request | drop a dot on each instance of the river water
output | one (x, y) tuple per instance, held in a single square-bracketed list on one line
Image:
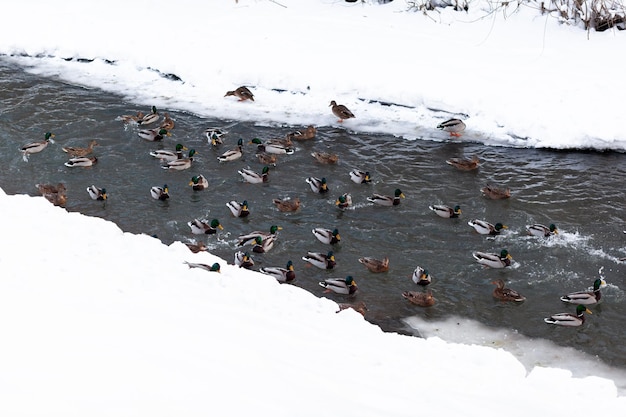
[(579, 191)]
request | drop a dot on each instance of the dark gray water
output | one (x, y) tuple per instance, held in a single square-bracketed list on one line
[(581, 192)]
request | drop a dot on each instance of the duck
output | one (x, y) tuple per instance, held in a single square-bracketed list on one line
[(282, 275), (485, 228), (464, 164), (327, 236), (36, 147), (209, 268), (359, 307), (253, 177), (81, 161), (167, 123), (204, 227), (149, 118), (321, 260), (506, 294), (197, 247), (495, 193), (345, 285), (56, 194), (344, 201), (454, 126), (181, 164), (131, 118), (446, 212), (153, 135), (198, 183), (285, 141), (493, 260), (96, 193), (272, 148), (585, 297), (263, 245), (232, 154), (266, 158), (568, 319), (386, 200), (214, 135), (540, 230), (375, 265), (167, 156), (251, 237), (243, 260), (318, 185), (304, 134), (76, 151), (360, 177), (238, 209), (160, 193), (242, 93), (286, 205), (341, 111), (421, 276), (422, 299), (325, 157)]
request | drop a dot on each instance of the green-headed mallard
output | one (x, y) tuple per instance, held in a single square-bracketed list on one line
[(56, 194), (540, 230), (341, 111), (495, 193), (272, 148), (327, 236), (181, 164), (568, 319), (232, 154), (166, 155), (318, 185), (160, 193), (325, 157), (262, 245), (243, 260), (253, 177), (97, 193), (454, 126), (81, 161), (36, 147), (585, 297), (282, 275), (167, 123), (506, 294), (344, 201), (360, 177), (153, 135), (321, 260), (149, 118), (198, 182), (303, 134), (251, 237), (386, 200), (422, 299), (485, 228), (444, 211), (204, 227), (214, 135), (242, 93), (76, 151), (238, 209), (493, 260), (209, 268), (345, 285), (375, 265), (287, 205), (464, 164), (421, 276)]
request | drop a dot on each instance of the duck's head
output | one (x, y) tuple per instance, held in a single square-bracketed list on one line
[(244, 205), (580, 309), (216, 224), (350, 281), (180, 147), (332, 103), (598, 283), (330, 256), (398, 193), (192, 153), (164, 132), (274, 229), (553, 229), (500, 226), (336, 234), (49, 135), (165, 189), (289, 265), (240, 142), (266, 170), (104, 193), (457, 209), (154, 109), (215, 267), (504, 254), (258, 240), (195, 179), (256, 141)]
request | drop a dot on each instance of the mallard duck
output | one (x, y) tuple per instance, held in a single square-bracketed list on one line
[(344, 201), (540, 230), (464, 164), (421, 276), (56, 194), (243, 260), (153, 135), (422, 299), (166, 155), (495, 193), (149, 118), (506, 294), (375, 265), (209, 268), (341, 111), (232, 154), (282, 275), (359, 307), (36, 147), (360, 177), (130, 118), (285, 142), (242, 93), (272, 148), (167, 123), (568, 319), (304, 134), (97, 193), (317, 185), (81, 161), (251, 237), (254, 178), (387, 200), (160, 193), (327, 236), (454, 126), (238, 209), (321, 260), (345, 286), (287, 205), (198, 183), (266, 158), (325, 157), (75, 151), (214, 135), (263, 245), (446, 212), (204, 227), (486, 228), (585, 297), (493, 260), (181, 164), (197, 247)]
